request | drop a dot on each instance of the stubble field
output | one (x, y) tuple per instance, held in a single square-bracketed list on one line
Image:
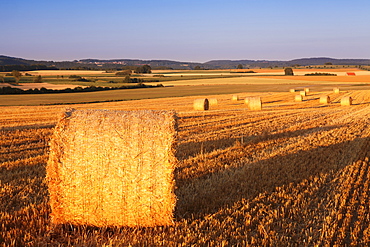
[(293, 174)]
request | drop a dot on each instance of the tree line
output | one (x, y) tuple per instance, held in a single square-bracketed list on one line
[(23, 67), (11, 90)]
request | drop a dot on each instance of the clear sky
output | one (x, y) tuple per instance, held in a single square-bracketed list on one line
[(184, 30)]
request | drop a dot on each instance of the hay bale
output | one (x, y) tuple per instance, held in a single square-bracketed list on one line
[(307, 90), (113, 168), (324, 99), (235, 98), (346, 101), (292, 90), (336, 90), (298, 98), (213, 101), (201, 104), (246, 100), (303, 93), (255, 103)]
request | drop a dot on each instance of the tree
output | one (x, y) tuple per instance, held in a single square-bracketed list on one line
[(17, 75), (37, 79), (124, 72), (127, 79), (145, 69), (197, 67), (240, 66), (288, 71)]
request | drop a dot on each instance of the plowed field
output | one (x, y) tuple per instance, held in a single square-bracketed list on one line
[(293, 174)]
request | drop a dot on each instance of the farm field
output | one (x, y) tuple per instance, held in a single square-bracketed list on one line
[(60, 79), (195, 83), (293, 174)]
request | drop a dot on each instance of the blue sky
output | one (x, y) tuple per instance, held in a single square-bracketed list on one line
[(184, 30)]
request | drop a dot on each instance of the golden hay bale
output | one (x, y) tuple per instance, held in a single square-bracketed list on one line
[(292, 90), (201, 104), (336, 90), (113, 168), (246, 100), (303, 93), (307, 90), (324, 99), (213, 101), (346, 101), (298, 98), (235, 97), (255, 103)]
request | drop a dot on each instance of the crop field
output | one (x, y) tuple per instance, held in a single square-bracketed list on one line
[(292, 174)]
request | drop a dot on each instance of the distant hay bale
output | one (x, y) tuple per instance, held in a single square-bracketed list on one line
[(201, 104), (213, 101), (113, 168), (298, 98), (246, 100), (235, 98), (307, 90), (303, 93), (324, 99), (255, 103), (292, 90), (346, 101), (336, 90)]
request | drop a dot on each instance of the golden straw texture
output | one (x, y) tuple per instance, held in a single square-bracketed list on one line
[(235, 97), (298, 98), (201, 104), (336, 90), (324, 99), (113, 168), (255, 103), (346, 101), (213, 101)]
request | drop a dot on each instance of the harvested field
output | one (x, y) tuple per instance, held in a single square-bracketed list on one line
[(26, 86), (337, 79), (292, 174), (66, 72)]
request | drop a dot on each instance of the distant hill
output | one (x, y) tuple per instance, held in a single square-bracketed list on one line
[(301, 62), (9, 63)]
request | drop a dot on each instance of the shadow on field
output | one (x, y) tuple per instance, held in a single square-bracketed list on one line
[(210, 192), (20, 191), (271, 102), (28, 127), (192, 149)]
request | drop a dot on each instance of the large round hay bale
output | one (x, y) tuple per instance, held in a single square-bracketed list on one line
[(303, 93), (292, 90), (324, 99), (113, 168), (346, 101), (235, 98), (336, 90), (213, 101), (201, 104), (255, 103), (307, 90), (298, 98)]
